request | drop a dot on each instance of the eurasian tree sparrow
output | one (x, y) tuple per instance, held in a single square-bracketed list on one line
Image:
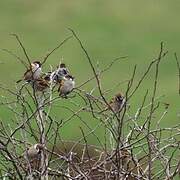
[(66, 85), (33, 156), (34, 72), (33, 152), (40, 84), (57, 75), (117, 102)]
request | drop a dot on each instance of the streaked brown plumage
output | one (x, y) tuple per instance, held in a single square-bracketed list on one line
[(34, 72), (33, 156), (40, 84), (117, 102), (34, 151)]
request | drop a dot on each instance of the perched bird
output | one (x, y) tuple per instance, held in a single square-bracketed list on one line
[(33, 155), (34, 151), (66, 85), (57, 75), (117, 102), (47, 76), (40, 84), (34, 72)]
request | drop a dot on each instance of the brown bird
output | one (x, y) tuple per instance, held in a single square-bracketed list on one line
[(40, 84), (117, 102), (34, 151), (66, 85), (33, 155), (34, 72)]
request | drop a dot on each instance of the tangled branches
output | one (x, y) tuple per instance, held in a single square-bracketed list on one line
[(134, 145)]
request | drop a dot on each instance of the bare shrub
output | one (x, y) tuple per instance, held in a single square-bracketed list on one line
[(134, 145)]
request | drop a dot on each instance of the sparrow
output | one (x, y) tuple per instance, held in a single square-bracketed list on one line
[(47, 76), (117, 102), (57, 75), (33, 154), (34, 151), (34, 72), (66, 85), (40, 84)]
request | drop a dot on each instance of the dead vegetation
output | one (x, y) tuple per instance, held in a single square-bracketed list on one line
[(31, 146)]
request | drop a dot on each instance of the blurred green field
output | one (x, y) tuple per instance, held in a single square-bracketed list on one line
[(109, 29)]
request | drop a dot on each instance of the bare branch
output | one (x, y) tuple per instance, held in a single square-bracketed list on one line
[(178, 66), (22, 46), (62, 43)]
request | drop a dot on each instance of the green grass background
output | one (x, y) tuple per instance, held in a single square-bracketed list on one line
[(109, 29)]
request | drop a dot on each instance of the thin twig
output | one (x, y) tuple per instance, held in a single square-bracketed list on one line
[(17, 57), (22, 46), (48, 54), (178, 66)]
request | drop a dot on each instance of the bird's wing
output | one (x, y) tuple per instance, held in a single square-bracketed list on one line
[(60, 85), (28, 74), (43, 83)]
